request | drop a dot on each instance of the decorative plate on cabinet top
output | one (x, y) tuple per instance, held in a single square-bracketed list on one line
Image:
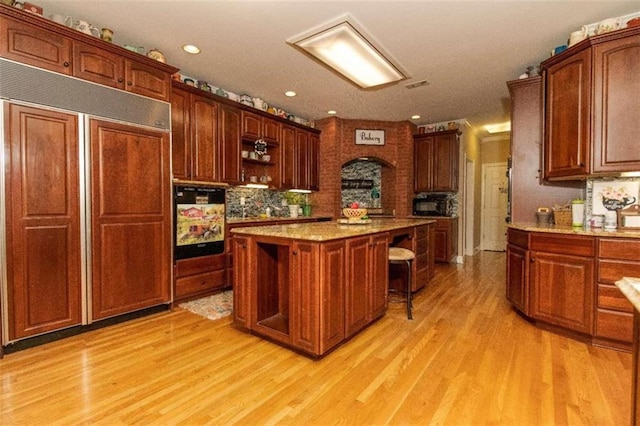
[(157, 55)]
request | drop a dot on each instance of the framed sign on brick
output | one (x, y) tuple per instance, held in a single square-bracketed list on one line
[(369, 137)]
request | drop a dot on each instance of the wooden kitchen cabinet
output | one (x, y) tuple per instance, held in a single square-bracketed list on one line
[(36, 41), (518, 269), (229, 143), (617, 258), (299, 159), (446, 239), (591, 113), (242, 272), (366, 281), (288, 157), (568, 282), (199, 276), (33, 45), (256, 127), (562, 277), (289, 284), (130, 218), (436, 161), (425, 255), (526, 185), (194, 131), (43, 221)]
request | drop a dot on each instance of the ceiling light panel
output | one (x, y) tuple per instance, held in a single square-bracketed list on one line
[(348, 51)]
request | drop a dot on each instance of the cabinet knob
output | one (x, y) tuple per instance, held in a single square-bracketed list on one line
[(66, 64), (244, 246), (533, 259), (120, 80), (295, 252), (129, 83)]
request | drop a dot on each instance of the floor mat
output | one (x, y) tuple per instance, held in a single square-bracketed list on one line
[(211, 307)]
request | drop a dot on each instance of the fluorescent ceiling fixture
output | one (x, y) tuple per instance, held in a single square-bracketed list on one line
[(290, 93), (415, 117), (190, 48), (349, 51), (498, 128), (332, 112)]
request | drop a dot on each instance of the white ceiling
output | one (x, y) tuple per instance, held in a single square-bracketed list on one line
[(467, 50)]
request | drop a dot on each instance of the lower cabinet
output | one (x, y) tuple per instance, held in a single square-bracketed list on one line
[(366, 282), (446, 240), (568, 282), (518, 272), (562, 290), (617, 257), (199, 276)]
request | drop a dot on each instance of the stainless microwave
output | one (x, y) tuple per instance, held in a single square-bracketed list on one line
[(432, 205)]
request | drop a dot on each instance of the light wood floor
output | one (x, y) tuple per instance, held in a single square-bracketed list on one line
[(466, 358)]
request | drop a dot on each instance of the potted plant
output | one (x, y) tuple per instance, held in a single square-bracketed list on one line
[(294, 200)]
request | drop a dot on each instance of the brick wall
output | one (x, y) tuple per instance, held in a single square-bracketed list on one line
[(337, 147)]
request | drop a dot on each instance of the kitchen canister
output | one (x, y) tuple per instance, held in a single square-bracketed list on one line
[(577, 213), (610, 220)]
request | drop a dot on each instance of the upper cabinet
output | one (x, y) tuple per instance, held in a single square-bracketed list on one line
[(214, 140), (592, 116), (436, 158), (194, 134), (33, 40)]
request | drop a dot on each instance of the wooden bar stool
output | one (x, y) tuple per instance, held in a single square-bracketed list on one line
[(399, 255)]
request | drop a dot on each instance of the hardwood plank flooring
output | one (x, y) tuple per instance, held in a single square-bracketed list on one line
[(467, 358)]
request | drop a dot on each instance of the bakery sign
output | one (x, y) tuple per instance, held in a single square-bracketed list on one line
[(369, 137)]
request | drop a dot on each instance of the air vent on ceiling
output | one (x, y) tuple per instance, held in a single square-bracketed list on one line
[(417, 84)]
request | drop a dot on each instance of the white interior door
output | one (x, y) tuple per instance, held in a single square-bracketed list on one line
[(494, 206)]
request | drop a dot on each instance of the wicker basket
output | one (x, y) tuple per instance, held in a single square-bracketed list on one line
[(563, 217), (354, 214)]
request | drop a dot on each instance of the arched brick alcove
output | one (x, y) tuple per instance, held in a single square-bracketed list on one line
[(338, 147)]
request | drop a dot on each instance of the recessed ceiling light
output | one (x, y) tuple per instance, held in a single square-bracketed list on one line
[(290, 93), (332, 112), (347, 49), (190, 48), (415, 117)]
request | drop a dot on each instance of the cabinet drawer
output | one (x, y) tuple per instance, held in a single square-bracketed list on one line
[(200, 265), (200, 283), (563, 244), (619, 249), (422, 232), (614, 325), (610, 297), (610, 271), (518, 238), (422, 246), (422, 261)]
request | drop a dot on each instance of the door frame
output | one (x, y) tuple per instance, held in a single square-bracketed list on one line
[(483, 216)]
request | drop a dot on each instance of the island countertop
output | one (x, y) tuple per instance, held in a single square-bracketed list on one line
[(594, 232), (630, 287), (326, 231)]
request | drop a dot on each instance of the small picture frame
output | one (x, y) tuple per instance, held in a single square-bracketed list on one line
[(629, 218)]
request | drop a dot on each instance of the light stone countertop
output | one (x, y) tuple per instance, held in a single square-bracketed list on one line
[(267, 220), (630, 287), (534, 227), (326, 231)]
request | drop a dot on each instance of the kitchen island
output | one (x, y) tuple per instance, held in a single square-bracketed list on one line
[(311, 286)]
